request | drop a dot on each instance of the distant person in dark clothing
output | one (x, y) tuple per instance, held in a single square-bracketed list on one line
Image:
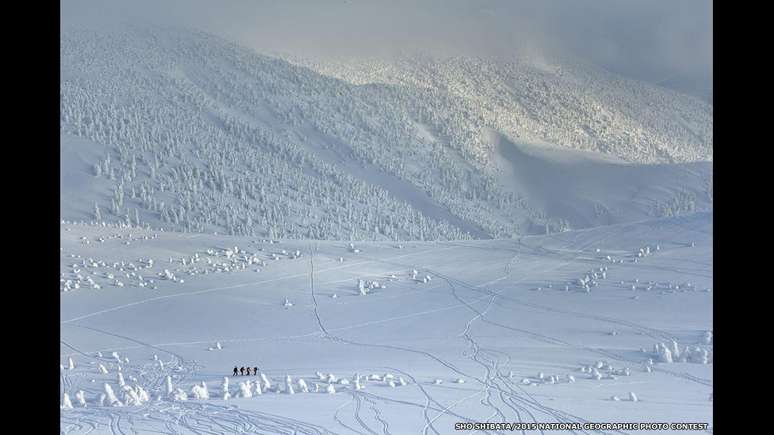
[(236, 370), (242, 370)]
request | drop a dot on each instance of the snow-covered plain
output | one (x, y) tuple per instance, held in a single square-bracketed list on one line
[(488, 330)]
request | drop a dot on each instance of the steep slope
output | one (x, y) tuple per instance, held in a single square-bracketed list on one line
[(192, 133), (565, 102), (585, 189)]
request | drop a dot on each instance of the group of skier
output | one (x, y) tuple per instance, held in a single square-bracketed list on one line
[(245, 371)]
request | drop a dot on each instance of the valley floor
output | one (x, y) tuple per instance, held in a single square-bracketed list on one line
[(484, 331)]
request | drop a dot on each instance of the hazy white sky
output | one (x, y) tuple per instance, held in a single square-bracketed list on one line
[(667, 41)]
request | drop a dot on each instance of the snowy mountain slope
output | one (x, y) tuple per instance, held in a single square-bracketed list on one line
[(193, 133), (494, 314), (566, 102), (586, 190)]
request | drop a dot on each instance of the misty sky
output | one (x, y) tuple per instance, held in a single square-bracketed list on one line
[(662, 41)]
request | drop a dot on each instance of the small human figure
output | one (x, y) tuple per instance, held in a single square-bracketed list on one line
[(242, 371), (255, 370), (235, 370)]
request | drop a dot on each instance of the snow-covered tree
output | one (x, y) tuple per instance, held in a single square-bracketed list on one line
[(356, 381), (663, 353), (289, 385), (66, 404), (131, 398), (245, 389), (265, 380), (200, 391), (676, 354), (112, 400), (224, 388), (142, 394), (80, 396), (179, 395)]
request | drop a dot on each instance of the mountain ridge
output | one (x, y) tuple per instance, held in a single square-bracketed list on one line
[(200, 134)]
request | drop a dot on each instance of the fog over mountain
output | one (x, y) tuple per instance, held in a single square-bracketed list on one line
[(664, 42)]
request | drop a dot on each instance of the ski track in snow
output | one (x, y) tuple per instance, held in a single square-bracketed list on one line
[(561, 417), (188, 417), (218, 289), (506, 399), (492, 366), (486, 385)]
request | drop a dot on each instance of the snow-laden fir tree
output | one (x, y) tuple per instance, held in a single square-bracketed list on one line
[(675, 350), (112, 400), (80, 396), (130, 396), (302, 387), (66, 404), (200, 391), (224, 388), (179, 395), (245, 389), (142, 394), (265, 380), (289, 385), (664, 354)]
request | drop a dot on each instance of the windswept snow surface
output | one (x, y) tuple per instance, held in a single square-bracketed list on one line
[(492, 313)]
